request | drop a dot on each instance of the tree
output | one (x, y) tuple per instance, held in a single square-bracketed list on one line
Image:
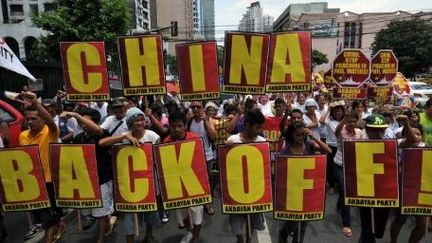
[(220, 55), (318, 58), (411, 41), (83, 20)]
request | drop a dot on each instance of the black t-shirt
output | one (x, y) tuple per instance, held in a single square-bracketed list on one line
[(103, 155)]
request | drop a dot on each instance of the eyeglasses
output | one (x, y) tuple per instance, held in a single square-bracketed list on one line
[(196, 107)]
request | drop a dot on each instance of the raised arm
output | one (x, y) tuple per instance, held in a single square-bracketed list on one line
[(43, 113)]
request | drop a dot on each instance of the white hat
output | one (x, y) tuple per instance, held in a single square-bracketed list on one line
[(311, 102)]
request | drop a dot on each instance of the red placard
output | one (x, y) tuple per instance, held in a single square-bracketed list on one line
[(417, 181), (75, 175), (289, 62), (245, 178), (351, 68), (182, 172), (22, 183), (198, 71), (85, 71), (349, 93), (245, 62), (272, 134), (221, 130), (134, 178), (141, 59), (384, 66), (380, 95), (371, 173), (300, 187)]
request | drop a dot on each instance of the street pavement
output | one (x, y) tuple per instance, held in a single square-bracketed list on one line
[(215, 229)]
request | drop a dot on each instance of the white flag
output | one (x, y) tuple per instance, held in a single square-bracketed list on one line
[(10, 61)]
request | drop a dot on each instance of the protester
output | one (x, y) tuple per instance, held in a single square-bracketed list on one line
[(253, 125), (101, 107), (265, 105), (311, 117), (92, 134), (426, 122), (43, 131), (412, 139), (345, 130), (178, 131), (116, 124), (300, 140), (136, 135)]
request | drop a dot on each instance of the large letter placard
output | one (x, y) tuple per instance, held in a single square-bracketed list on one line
[(75, 175), (134, 178), (198, 71), (371, 173), (289, 62), (245, 178), (141, 59), (22, 183), (417, 182), (182, 172), (300, 187), (245, 62), (85, 71)]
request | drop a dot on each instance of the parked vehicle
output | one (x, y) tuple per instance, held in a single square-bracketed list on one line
[(14, 119), (421, 92)]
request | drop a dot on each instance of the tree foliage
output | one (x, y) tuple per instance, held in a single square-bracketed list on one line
[(411, 41), (318, 58), (83, 20)]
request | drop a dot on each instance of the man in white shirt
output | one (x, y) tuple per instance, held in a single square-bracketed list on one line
[(101, 107), (116, 124)]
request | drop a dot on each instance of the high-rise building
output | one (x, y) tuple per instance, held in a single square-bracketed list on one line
[(140, 11), (254, 20), (207, 19)]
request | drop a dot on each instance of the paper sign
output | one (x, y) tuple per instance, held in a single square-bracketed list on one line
[(22, 183), (300, 187), (328, 79), (85, 71), (198, 71), (141, 59), (134, 178), (245, 178), (417, 182), (400, 86), (182, 172), (380, 95), (272, 134), (245, 62), (289, 62), (351, 68), (75, 175), (349, 93), (384, 66), (221, 131), (371, 173)]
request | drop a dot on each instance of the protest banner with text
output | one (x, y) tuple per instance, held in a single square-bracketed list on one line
[(384, 66), (289, 62), (198, 71), (417, 182), (141, 59), (371, 173), (134, 179), (245, 62), (272, 133), (85, 71), (380, 94), (300, 187), (22, 183), (245, 178), (182, 172), (75, 175)]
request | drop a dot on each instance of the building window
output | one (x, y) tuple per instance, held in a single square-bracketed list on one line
[(349, 35), (145, 15), (16, 10), (145, 26), (145, 4), (50, 7), (34, 9)]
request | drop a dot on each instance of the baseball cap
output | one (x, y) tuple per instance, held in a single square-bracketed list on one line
[(376, 121), (49, 102), (118, 102)]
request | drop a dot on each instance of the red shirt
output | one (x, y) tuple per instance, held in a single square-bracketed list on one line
[(189, 135)]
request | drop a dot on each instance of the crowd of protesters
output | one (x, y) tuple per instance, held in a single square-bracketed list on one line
[(309, 124)]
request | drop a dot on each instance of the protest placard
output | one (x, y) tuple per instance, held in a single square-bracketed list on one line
[(84, 70), (22, 183), (141, 59), (75, 175), (245, 62), (417, 182), (134, 180), (183, 174), (300, 187), (245, 178), (371, 173), (198, 71), (289, 62)]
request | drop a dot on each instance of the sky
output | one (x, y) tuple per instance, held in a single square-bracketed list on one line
[(229, 12)]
